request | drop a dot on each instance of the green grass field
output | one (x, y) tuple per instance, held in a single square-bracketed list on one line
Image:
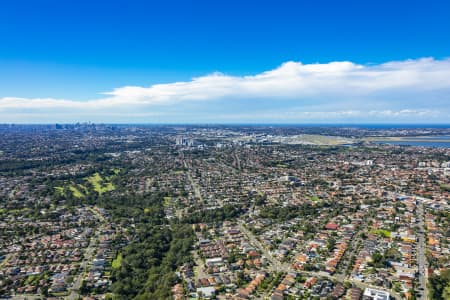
[(167, 201), (59, 189), (99, 184), (76, 192), (381, 232), (117, 262)]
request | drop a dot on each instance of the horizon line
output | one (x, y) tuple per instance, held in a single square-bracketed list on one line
[(224, 124)]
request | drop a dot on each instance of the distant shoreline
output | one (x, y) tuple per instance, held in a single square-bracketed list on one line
[(339, 125), (427, 138)]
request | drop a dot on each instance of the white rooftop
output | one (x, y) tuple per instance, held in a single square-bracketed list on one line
[(376, 294)]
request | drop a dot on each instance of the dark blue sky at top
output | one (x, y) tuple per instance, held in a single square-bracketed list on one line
[(145, 42)]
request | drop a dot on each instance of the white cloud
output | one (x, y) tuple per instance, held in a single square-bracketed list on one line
[(393, 89), (310, 116)]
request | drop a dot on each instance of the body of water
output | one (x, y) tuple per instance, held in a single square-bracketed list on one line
[(416, 143)]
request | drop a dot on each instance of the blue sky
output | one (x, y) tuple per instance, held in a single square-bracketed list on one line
[(225, 61)]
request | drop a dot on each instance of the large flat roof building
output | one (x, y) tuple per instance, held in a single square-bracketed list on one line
[(373, 294)]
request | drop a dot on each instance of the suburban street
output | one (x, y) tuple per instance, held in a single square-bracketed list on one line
[(278, 266), (83, 267), (88, 257), (421, 247)]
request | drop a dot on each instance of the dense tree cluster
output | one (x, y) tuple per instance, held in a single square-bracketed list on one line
[(227, 212), (284, 213), (439, 286), (148, 264), (147, 269)]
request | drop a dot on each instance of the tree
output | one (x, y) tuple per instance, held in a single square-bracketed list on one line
[(331, 243), (378, 260), (446, 292)]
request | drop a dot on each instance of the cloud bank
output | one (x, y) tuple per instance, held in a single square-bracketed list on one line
[(410, 90)]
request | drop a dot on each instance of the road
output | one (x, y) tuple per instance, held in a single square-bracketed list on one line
[(198, 271), (352, 250), (26, 297), (83, 268), (88, 257), (237, 160), (421, 247), (194, 185), (277, 266)]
